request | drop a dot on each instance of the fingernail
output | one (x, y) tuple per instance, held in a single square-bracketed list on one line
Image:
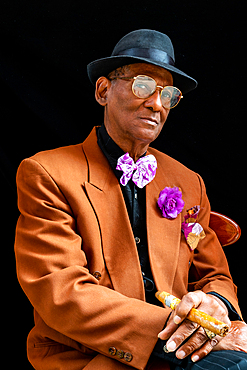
[(163, 335), (180, 354), (171, 346), (177, 319), (159, 335), (165, 349), (195, 358)]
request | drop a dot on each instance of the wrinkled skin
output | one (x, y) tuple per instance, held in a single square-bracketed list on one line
[(236, 339), (178, 328)]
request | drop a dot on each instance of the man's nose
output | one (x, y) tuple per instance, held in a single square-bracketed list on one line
[(154, 102)]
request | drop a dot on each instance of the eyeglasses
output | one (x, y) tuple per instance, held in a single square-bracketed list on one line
[(143, 87)]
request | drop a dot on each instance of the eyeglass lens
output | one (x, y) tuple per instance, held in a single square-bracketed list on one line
[(144, 86)]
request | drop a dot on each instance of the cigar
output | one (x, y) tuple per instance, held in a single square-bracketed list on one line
[(201, 318)]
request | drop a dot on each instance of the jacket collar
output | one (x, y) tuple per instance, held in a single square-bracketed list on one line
[(110, 149), (118, 243), (164, 235)]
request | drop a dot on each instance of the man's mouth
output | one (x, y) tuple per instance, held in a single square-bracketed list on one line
[(150, 121)]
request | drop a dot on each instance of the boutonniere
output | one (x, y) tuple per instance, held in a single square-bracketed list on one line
[(170, 202), (192, 230)]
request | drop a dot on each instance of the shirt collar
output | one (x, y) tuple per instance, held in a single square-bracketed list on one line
[(110, 149)]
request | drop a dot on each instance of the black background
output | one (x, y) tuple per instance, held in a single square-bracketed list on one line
[(47, 101)]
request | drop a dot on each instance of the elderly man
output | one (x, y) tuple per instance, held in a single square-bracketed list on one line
[(106, 223)]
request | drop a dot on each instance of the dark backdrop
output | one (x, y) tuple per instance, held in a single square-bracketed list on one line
[(47, 101)]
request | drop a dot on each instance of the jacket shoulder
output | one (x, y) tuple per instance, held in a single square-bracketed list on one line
[(67, 161), (59, 153), (170, 163)]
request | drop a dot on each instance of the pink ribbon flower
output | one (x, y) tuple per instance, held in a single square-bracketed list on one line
[(192, 230)]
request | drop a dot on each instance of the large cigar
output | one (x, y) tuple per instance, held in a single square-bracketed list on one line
[(201, 318)]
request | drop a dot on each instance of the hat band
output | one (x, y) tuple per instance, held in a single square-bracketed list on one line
[(150, 53)]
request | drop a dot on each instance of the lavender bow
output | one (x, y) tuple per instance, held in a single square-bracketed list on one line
[(145, 169)]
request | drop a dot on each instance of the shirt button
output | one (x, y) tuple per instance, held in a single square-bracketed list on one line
[(97, 275), (128, 356), (137, 240), (112, 351)]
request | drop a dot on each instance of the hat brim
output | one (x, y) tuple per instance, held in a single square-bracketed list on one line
[(102, 67)]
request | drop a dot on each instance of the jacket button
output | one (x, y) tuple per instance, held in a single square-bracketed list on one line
[(128, 356), (120, 353), (97, 275), (112, 351)]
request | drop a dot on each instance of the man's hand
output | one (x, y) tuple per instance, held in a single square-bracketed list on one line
[(236, 339), (179, 329)]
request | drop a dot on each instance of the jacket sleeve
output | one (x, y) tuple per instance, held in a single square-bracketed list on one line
[(209, 270), (52, 270)]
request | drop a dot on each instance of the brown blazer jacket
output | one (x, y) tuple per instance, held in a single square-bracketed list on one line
[(78, 264)]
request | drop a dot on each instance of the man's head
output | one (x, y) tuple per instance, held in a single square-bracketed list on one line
[(132, 121), (132, 118)]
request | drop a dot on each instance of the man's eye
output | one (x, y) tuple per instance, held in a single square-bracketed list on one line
[(166, 95), (142, 90)]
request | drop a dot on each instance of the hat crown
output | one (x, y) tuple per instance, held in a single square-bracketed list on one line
[(145, 39), (142, 46)]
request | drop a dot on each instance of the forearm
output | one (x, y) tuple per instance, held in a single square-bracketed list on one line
[(98, 317), (71, 302), (209, 270)]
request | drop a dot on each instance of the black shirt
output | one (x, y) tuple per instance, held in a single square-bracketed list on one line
[(135, 200)]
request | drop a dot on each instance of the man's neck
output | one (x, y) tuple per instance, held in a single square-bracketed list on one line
[(135, 150)]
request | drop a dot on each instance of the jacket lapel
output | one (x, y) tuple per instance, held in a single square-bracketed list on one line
[(118, 242), (163, 235)]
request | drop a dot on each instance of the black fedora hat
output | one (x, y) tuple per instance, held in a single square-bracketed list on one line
[(142, 46)]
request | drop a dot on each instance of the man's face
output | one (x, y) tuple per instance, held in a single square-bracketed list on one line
[(132, 119)]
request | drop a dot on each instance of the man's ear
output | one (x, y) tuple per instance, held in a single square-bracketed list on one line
[(101, 90)]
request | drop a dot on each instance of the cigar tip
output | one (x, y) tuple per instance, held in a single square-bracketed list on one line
[(224, 331)]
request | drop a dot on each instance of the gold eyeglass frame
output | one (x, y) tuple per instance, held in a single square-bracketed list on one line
[(157, 86)]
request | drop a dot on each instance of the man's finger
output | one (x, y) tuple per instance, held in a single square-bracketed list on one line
[(170, 328), (185, 330), (189, 301), (205, 349)]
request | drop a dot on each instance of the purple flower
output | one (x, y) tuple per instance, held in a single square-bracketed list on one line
[(170, 202)]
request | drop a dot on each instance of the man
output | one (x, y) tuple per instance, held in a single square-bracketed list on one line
[(93, 246)]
